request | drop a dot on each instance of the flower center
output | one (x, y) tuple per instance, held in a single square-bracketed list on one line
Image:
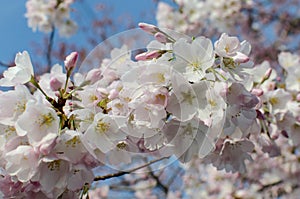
[(46, 119), (102, 127)]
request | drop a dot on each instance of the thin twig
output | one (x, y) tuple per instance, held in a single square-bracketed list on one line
[(159, 183), (270, 185), (50, 45), (121, 173), (5, 64)]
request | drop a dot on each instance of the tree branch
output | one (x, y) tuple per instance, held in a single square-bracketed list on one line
[(159, 183), (49, 49), (121, 173), (5, 64), (270, 185)]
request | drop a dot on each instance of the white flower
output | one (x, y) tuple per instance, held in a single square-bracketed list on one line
[(71, 145), (149, 107), (52, 176), (13, 104), (187, 139), (119, 154), (183, 102), (120, 60), (19, 74), (240, 113), (278, 100), (193, 59), (262, 73), (67, 28), (227, 46), (288, 60), (44, 15), (104, 132), (6, 134), (293, 79), (22, 162), (85, 117), (232, 155), (78, 177), (38, 122)]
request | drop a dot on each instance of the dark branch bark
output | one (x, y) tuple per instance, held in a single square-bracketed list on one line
[(121, 173), (49, 49), (270, 185), (159, 183), (5, 64)]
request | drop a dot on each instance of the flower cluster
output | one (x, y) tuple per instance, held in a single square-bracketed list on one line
[(173, 100), (45, 15), (194, 16), (275, 132)]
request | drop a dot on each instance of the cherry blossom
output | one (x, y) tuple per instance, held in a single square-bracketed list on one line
[(182, 98), (19, 74)]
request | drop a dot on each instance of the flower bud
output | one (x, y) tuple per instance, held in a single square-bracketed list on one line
[(113, 94), (298, 97), (70, 61), (267, 74), (94, 75), (258, 92), (149, 55), (240, 58), (151, 29), (55, 84), (161, 37)]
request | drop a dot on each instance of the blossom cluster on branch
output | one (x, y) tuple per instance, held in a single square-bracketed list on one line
[(195, 16), (183, 97), (46, 15), (202, 100)]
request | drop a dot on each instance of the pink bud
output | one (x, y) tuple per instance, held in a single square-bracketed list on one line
[(240, 58), (268, 73), (298, 97), (161, 37), (94, 75), (113, 94), (148, 28), (55, 84), (70, 61), (148, 55), (257, 91), (298, 118), (141, 57), (57, 94), (278, 79)]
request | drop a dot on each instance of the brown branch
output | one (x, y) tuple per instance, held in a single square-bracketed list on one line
[(159, 183), (5, 64), (270, 185), (121, 173), (49, 49)]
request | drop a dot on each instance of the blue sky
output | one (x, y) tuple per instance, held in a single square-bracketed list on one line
[(16, 36)]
